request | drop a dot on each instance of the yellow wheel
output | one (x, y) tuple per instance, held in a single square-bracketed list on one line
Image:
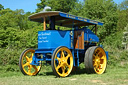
[(95, 60), (24, 63), (62, 62)]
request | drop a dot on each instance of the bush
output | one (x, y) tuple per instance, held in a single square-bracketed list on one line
[(113, 44)]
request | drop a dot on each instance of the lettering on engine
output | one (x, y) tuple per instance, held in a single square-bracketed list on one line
[(43, 37)]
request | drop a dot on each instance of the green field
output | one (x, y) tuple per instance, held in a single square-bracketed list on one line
[(112, 76)]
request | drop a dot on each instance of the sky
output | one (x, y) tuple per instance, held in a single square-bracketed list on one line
[(27, 5)]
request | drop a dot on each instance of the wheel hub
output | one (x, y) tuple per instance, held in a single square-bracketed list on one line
[(63, 62)]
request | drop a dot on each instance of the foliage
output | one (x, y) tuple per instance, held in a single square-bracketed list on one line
[(16, 34), (77, 9), (101, 10), (114, 40), (122, 15), (57, 5), (117, 53), (104, 11), (1, 7), (124, 5), (41, 5)]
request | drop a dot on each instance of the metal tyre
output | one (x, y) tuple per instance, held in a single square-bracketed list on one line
[(86, 60), (24, 63), (95, 60), (62, 62)]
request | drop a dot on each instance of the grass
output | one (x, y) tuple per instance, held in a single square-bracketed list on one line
[(112, 76)]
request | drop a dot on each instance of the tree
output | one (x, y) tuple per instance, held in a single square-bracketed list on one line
[(7, 19), (41, 5), (77, 9), (104, 11), (1, 7), (57, 5), (16, 19), (124, 5), (122, 15)]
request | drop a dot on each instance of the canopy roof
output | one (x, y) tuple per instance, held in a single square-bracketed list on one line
[(63, 19)]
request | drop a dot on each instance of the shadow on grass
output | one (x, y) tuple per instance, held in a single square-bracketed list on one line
[(75, 71), (78, 71), (46, 74)]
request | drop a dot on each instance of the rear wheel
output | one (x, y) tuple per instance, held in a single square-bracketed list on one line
[(62, 62), (24, 63), (86, 60), (95, 60)]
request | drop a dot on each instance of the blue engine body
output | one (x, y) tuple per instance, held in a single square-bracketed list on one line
[(51, 39)]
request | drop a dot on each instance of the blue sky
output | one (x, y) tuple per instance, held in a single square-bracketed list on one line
[(27, 5)]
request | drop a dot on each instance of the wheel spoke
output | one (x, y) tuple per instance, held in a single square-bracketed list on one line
[(95, 64), (102, 57), (67, 56), (62, 54), (63, 69), (29, 69), (26, 64), (58, 58), (35, 67), (100, 66), (58, 67), (99, 53), (68, 65), (101, 61), (94, 59), (27, 58), (31, 55), (97, 69)]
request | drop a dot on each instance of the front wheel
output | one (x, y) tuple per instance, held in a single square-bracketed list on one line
[(62, 62), (24, 63)]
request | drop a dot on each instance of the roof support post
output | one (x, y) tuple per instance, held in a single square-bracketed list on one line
[(52, 22), (44, 23)]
